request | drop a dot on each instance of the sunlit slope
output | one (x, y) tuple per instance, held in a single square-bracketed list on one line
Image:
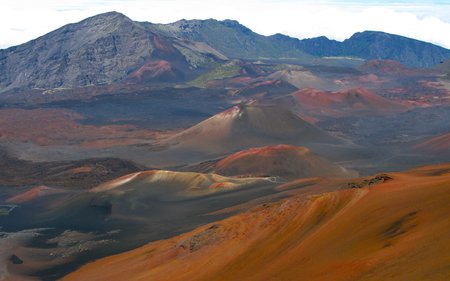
[(286, 161), (167, 182), (396, 230), (439, 145), (243, 127)]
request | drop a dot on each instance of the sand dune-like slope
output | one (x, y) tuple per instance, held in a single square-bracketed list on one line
[(248, 126), (32, 194), (166, 182), (395, 230), (437, 145), (299, 78), (286, 161), (359, 101)]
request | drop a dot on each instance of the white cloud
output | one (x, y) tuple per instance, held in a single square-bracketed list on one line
[(22, 21)]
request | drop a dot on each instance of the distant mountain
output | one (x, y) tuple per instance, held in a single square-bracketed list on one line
[(230, 37), (110, 48), (373, 45), (100, 50), (237, 41)]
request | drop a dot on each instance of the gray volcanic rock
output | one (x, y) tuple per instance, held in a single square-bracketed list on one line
[(378, 45), (110, 48), (237, 41), (230, 37), (99, 50)]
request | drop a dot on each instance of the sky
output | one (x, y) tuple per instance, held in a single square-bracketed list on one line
[(23, 20)]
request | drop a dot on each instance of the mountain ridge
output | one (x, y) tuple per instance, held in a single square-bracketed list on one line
[(366, 44), (372, 45), (99, 50), (110, 48)]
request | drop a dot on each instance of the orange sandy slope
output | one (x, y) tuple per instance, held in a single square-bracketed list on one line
[(345, 103), (439, 144), (282, 160), (396, 230)]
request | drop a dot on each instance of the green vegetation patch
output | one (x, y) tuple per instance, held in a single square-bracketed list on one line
[(218, 73)]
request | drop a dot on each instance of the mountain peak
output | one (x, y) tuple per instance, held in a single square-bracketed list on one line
[(106, 19), (373, 33), (112, 15), (236, 25), (280, 36), (98, 50)]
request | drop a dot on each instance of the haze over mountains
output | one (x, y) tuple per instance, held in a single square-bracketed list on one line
[(110, 48)]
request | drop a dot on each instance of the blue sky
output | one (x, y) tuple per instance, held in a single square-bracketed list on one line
[(23, 20)]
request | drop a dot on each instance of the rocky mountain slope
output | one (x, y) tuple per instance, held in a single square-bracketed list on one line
[(110, 48), (100, 50), (372, 45), (230, 37), (236, 40)]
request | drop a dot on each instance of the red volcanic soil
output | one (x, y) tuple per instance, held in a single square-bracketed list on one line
[(157, 71), (163, 45), (395, 230), (152, 69), (32, 194), (387, 67), (437, 145), (358, 101), (285, 161), (59, 127)]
